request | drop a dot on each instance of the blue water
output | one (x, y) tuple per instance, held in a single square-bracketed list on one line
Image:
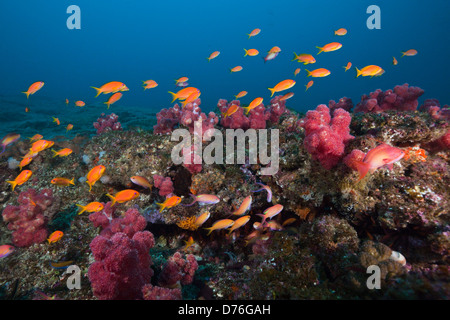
[(131, 41)]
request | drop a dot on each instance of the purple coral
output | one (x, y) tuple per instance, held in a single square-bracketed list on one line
[(107, 123), (165, 185), (178, 271)]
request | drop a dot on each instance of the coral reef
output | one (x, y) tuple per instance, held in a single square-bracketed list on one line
[(107, 123)]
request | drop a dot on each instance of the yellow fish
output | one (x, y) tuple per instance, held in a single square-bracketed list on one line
[(220, 224)]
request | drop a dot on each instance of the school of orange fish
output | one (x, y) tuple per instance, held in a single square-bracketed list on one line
[(186, 95)]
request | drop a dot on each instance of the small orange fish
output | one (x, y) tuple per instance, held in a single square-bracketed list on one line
[(241, 94), (183, 94), (201, 219), (348, 66), (288, 222), (9, 139), (255, 102), (213, 55), (80, 103), (281, 86), (34, 88), (141, 181), (275, 50), (123, 196), (318, 73), (219, 225), (287, 96), (333, 46), (192, 97), (244, 207), (67, 101), (62, 153), (409, 53), (169, 203), (251, 52), (27, 109), (180, 80), (21, 178), (232, 109), (6, 250), (114, 98), (239, 223), (371, 70), (236, 69), (309, 85), (296, 72), (91, 207), (304, 58), (394, 61), (94, 175), (340, 32), (69, 127), (189, 243), (55, 237), (270, 56), (40, 145), (25, 161), (36, 137), (149, 84), (254, 33), (270, 212), (62, 182), (56, 120), (111, 87)]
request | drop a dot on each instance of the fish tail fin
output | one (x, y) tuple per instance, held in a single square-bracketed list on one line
[(246, 52), (113, 199), (98, 91), (295, 57), (403, 54), (309, 72), (83, 208), (320, 50), (263, 218), (358, 72), (210, 230), (192, 203), (27, 93), (246, 110), (161, 205), (90, 185), (209, 59), (272, 90), (55, 153), (106, 103), (13, 184), (362, 168), (72, 181), (174, 96)]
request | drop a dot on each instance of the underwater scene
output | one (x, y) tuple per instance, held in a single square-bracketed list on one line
[(224, 150)]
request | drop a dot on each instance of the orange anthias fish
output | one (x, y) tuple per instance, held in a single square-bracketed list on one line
[(340, 32), (111, 87), (21, 178), (409, 53), (213, 55), (25, 161), (309, 85), (40, 145), (304, 58), (182, 79), (64, 182), (56, 120), (318, 73), (69, 127), (255, 102), (80, 103), (232, 109), (9, 139), (270, 56), (34, 88), (241, 94), (55, 237), (244, 207), (268, 189), (123, 196), (91, 207), (36, 137), (183, 94), (333, 46), (188, 243), (297, 71), (371, 70), (348, 66), (236, 69), (149, 84), (382, 155), (239, 223), (220, 224), (191, 98), (204, 199), (169, 203), (6, 250), (62, 153), (141, 181), (394, 61), (271, 212), (287, 96), (94, 175), (254, 33), (281, 86), (274, 50), (251, 52), (67, 101), (114, 98), (201, 219)]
